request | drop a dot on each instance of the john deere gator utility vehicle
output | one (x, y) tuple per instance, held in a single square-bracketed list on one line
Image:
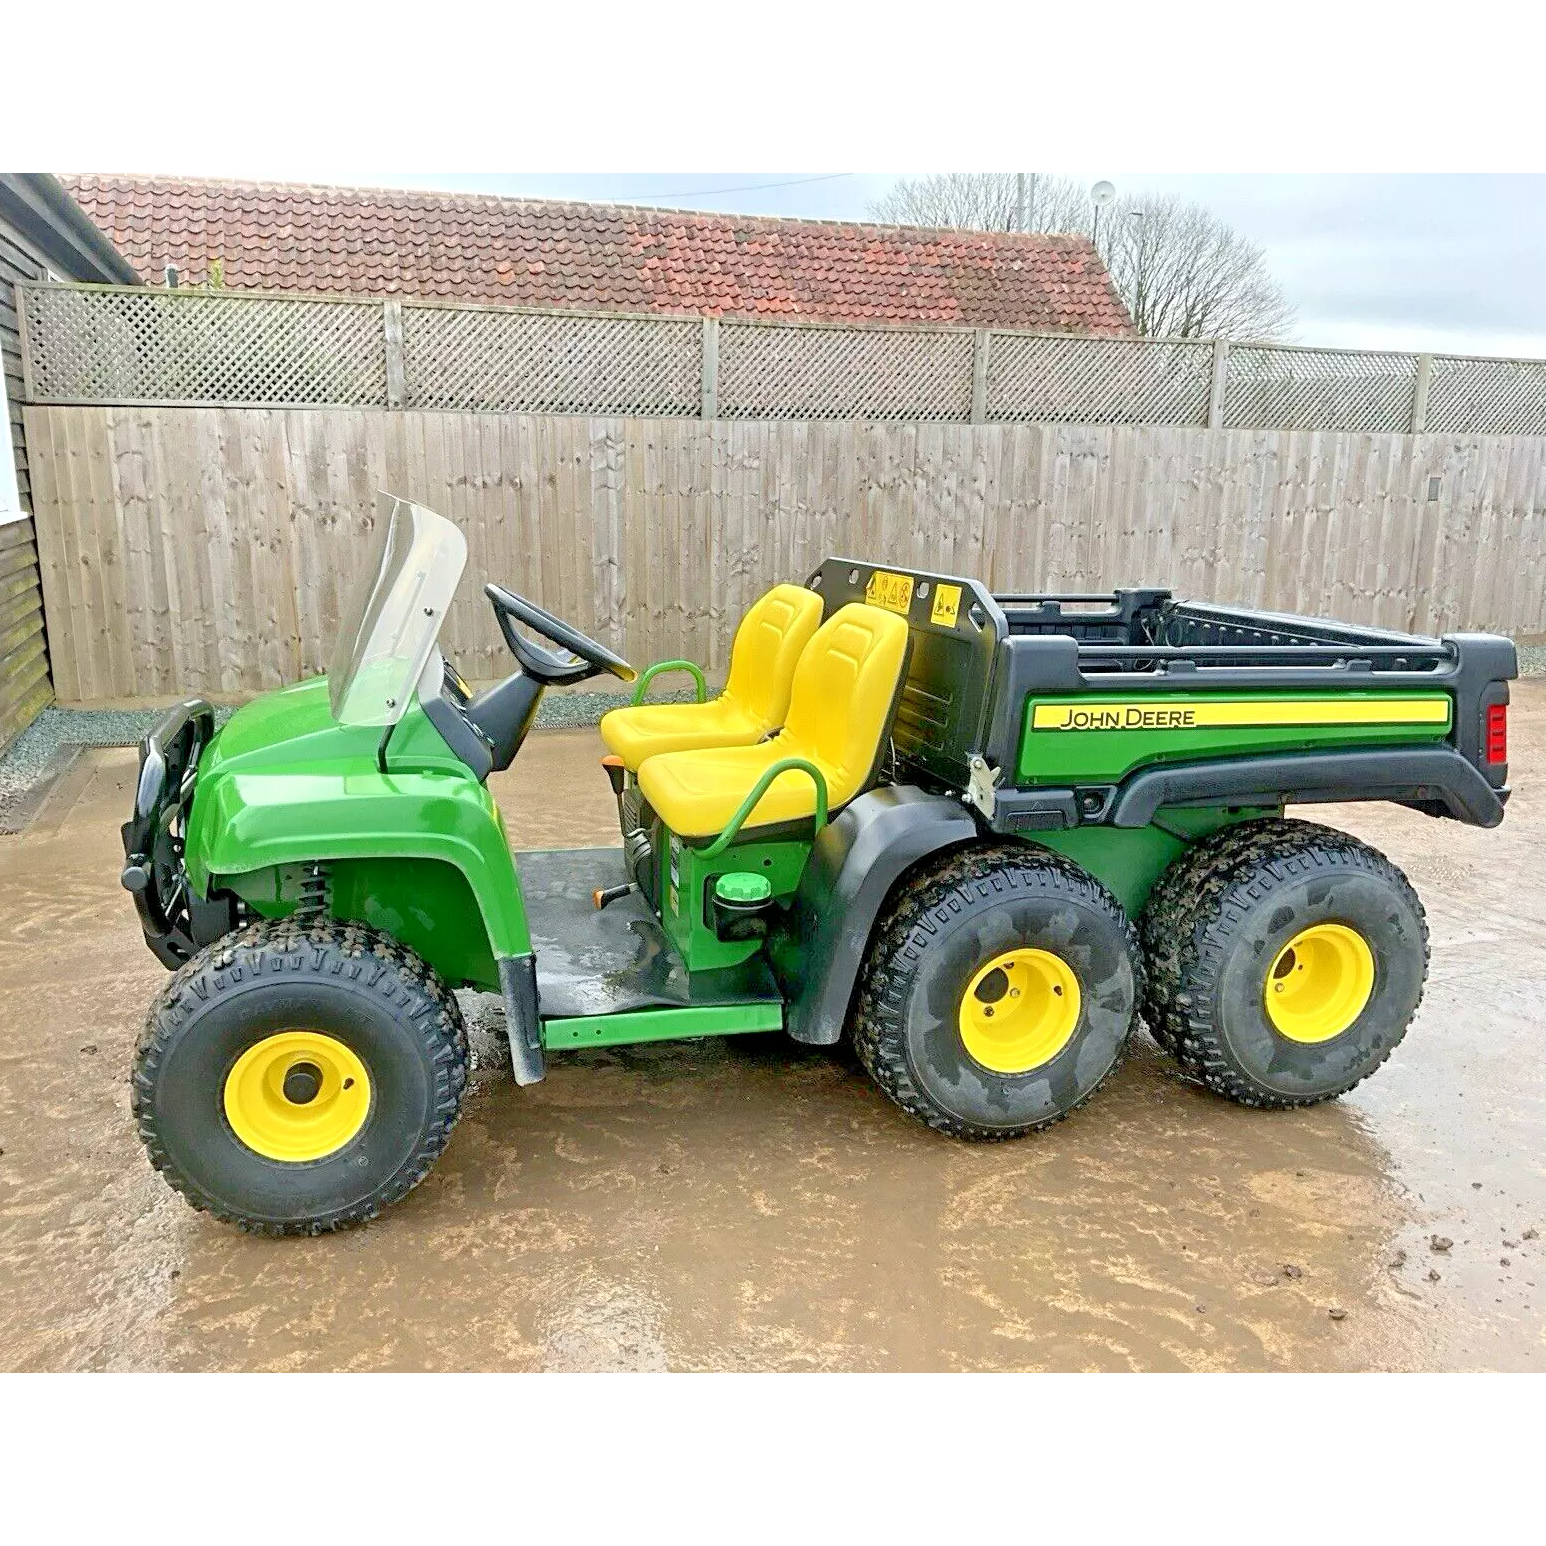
[(981, 834)]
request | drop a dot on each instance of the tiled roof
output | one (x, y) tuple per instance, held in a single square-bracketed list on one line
[(537, 252)]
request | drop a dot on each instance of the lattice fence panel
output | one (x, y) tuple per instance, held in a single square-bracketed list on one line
[(552, 362), (781, 372), (1098, 380), (124, 346), (1487, 397), (1272, 388), (90, 344)]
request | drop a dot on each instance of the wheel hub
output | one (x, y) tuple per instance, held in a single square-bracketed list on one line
[(297, 1096), (1319, 983), (302, 1084), (1020, 1010)]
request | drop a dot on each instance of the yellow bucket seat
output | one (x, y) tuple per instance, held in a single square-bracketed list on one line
[(756, 696), (840, 701)]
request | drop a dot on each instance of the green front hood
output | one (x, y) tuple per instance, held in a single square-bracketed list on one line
[(294, 728), (293, 724), (282, 784)]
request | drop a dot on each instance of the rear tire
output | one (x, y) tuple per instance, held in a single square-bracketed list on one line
[(998, 992), (1285, 961), (299, 1076)]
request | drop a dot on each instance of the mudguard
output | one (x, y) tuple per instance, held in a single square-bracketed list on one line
[(1436, 779), (854, 863), (242, 822)]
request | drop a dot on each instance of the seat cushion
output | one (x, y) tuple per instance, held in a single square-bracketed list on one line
[(697, 792), (767, 648), (841, 701), (843, 692), (638, 733), (763, 658)]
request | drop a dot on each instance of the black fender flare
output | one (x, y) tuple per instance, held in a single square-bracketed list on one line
[(855, 861), (1433, 778)]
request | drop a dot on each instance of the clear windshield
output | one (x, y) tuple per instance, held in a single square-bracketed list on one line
[(394, 616)]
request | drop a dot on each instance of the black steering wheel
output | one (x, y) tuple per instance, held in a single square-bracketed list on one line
[(585, 658)]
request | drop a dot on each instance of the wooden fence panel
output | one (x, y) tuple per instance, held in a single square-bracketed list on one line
[(209, 550)]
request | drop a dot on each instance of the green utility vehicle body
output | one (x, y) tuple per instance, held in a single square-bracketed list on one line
[(1071, 815), (1116, 730)]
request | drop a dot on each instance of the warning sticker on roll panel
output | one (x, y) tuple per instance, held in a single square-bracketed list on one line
[(894, 592), (947, 605)]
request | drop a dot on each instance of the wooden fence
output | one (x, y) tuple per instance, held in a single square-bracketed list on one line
[(205, 550)]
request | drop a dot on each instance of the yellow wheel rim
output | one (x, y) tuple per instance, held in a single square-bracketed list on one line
[(1319, 983), (297, 1096), (1020, 1010)]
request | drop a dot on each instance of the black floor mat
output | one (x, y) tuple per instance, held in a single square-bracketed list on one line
[(599, 963)]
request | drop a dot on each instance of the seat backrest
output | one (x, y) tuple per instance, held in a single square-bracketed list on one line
[(767, 648), (844, 689)]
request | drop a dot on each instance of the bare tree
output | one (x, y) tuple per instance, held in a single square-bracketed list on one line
[(1180, 270), (987, 201)]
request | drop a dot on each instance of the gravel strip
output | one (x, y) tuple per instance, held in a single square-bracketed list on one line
[(33, 754), (566, 710)]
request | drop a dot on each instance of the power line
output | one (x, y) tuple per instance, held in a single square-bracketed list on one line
[(796, 182)]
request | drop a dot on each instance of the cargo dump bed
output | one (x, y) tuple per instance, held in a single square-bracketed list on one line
[(1139, 629), (1052, 711)]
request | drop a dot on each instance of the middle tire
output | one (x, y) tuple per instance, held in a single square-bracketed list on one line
[(998, 992)]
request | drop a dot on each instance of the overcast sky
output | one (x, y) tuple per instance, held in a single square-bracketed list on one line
[(1399, 262)]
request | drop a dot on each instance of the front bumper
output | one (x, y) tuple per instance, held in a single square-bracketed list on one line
[(176, 922)]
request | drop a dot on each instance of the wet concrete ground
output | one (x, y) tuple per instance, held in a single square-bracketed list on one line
[(749, 1204)]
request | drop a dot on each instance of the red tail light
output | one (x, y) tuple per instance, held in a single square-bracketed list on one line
[(1497, 732)]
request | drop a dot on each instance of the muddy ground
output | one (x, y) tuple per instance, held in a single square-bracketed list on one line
[(750, 1204)]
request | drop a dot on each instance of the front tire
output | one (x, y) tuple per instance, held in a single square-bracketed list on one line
[(998, 992), (1285, 961), (299, 1076)]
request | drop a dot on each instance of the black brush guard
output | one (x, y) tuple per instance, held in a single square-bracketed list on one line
[(176, 922)]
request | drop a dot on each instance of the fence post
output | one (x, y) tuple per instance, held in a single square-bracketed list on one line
[(1219, 383), (1420, 393), (24, 338), (710, 405), (396, 378), (980, 376)]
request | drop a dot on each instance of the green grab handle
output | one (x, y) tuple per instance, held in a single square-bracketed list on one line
[(760, 788), (651, 672)]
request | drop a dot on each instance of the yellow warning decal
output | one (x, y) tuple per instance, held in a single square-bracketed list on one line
[(1197, 713), (947, 605), (894, 592)]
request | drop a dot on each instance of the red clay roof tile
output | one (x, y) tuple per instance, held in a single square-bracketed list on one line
[(476, 247)]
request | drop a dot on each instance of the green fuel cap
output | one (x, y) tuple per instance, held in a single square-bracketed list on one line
[(743, 888)]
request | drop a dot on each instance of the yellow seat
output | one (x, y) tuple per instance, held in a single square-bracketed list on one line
[(840, 702), (756, 696)]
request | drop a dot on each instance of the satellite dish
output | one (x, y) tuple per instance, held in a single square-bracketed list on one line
[(1102, 194)]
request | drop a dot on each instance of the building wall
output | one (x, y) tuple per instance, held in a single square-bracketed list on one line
[(17, 262), (25, 686)]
